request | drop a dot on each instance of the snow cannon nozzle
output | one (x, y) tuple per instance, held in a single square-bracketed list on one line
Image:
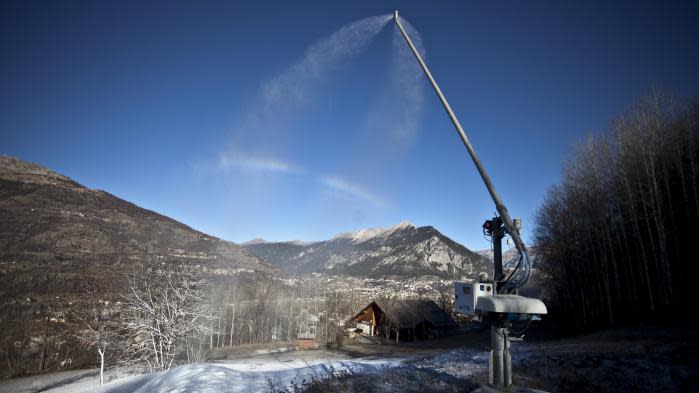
[(395, 15)]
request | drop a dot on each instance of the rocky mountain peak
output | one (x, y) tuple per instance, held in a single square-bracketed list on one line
[(257, 240), (405, 224), (367, 234)]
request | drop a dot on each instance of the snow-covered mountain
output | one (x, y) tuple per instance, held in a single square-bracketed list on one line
[(402, 250)]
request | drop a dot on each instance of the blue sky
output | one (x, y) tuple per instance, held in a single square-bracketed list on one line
[(242, 120)]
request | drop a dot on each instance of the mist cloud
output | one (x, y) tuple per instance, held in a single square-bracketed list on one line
[(257, 163), (354, 190)]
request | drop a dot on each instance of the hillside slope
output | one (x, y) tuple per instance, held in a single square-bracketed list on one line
[(46, 216), (62, 244)]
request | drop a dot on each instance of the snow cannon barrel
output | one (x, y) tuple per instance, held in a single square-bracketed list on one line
[(521, 276)]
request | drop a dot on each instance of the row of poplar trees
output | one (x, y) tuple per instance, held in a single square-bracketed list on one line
[(617, 239)]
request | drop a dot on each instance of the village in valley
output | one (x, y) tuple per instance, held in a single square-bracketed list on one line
[(375, 288)]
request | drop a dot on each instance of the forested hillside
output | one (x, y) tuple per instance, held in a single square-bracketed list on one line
[(617, 237)]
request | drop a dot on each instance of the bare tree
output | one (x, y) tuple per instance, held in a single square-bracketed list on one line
[(165, 311), (99, 330)]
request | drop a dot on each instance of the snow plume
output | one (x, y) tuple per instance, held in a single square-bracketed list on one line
[(406, 86), (391, 128), (293, 86), (280, 100)]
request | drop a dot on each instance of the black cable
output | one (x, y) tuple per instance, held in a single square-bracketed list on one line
[(512, 273), (488, 238)]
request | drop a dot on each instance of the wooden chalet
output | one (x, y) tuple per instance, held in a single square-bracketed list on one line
[(403, 319)]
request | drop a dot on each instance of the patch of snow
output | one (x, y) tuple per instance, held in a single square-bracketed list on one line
[(371, 233), (250, 375), (460, 363), (405, 224), (301, 242)]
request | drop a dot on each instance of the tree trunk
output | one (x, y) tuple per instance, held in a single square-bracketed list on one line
[(641, 246), (232, 323), (218, 334), (101, 352)]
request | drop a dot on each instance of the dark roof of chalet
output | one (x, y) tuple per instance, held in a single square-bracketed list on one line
[(411, 312)]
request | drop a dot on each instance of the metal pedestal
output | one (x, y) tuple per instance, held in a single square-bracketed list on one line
[(500, 362)]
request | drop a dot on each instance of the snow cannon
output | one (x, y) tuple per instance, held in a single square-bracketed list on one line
[(497, 301), (478, 298)]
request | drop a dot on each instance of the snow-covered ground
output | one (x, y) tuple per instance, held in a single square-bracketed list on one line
[(247, 375), (241, 375), (643, 359)]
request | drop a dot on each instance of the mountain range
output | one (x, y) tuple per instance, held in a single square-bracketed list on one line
[(52, 225), (401, 250)]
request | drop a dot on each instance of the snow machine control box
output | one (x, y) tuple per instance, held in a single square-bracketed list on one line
[(466, 294)]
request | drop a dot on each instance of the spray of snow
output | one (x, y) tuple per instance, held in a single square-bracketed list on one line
[(393, 125), (263, 143), (261, 136), (407, 85), (292, 86), (279, 99)]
